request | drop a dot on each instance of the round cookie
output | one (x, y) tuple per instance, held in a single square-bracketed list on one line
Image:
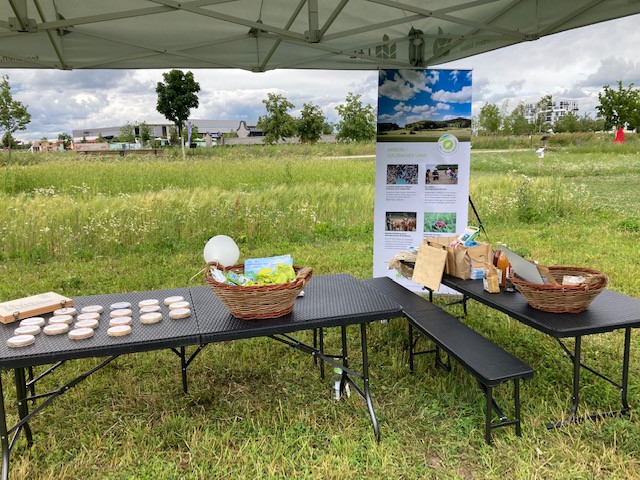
[(92, 309), (27, 330), (114, 322), (180, 313), (65, 311), (88, 316), (93, 324), (61, 319), (119, 305), (174, 299), (150, 308), (149, 303), (121, 312), (149, 318), (119, 330), (56, 329), (37, 321), (81, 333), (176, 305), (21, 341)]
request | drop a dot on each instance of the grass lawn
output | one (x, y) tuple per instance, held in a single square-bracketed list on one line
[(257, 409)]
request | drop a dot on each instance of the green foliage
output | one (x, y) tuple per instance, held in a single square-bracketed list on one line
[(127, 134), (145, 133), (66, 139), (8, 141), (13, 114), (145, 229), (174, 137), (177, 96), (357, 122), (277, 124), (567, 123), (544, 105), (516, 123), (311, 123), (99, 139), (621, 107), (489, 119), (84, 138)]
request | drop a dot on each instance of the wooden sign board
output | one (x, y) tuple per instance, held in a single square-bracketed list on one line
[(430, 265), (29, 306)]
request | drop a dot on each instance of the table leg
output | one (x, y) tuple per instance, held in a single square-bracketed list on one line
[(345, 357), (4, 435), (183, 366), (365, 380), (625, 368), (32, 384), (410, 346), (321, 338), (23, 407)]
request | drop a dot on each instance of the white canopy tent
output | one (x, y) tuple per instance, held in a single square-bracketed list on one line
[(259, 35)]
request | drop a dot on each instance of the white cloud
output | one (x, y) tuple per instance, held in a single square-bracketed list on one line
[(396, 89), (461, 96), (443, 106), (453, 74), (425, 110), (401, 107), (395, 118), (452, 117)]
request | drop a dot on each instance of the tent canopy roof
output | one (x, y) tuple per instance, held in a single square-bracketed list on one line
[(261, 35)]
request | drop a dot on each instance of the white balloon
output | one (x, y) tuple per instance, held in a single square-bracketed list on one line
[(221, 249)]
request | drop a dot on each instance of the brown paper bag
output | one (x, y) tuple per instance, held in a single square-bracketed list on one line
[(461, 259), (429, 265)]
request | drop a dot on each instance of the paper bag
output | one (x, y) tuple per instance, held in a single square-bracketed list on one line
[(461, 259), (429, 265)]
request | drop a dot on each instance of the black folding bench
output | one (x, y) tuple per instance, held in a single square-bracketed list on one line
[(490, 364)]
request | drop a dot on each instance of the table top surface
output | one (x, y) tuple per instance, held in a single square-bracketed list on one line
[(330, 300), (609, 311)]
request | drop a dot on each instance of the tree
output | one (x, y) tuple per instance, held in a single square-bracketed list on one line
[(84, 139), (567, 123), (145, 133), (13, 114), (99, 139), (176, 97), (311, 123), (127, 133), (516, 123), (8, 141), (489, 119), (543, 106), (588, 124), (173, 135), (66, 139), (277, 123), (621, 107), (357, 121)]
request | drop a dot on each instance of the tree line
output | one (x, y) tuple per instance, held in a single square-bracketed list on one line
[(619, 107)]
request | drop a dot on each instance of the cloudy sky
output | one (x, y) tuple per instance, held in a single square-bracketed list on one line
[(572, 65), (408, 96)]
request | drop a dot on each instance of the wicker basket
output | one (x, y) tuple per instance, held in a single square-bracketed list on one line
[(563, 298), (258, 302)]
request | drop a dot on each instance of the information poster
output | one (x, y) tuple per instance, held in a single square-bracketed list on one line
[(423, 158)]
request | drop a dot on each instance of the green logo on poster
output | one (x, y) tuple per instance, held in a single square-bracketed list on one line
[(448, 144)]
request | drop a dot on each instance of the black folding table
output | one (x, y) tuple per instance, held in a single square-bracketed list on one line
[(329, 301), (609, 311)]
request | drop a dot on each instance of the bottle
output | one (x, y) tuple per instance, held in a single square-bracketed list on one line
[(337, 380), (503, 265)]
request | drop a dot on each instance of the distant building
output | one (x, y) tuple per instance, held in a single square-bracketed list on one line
[(214, 128), (558, 109), (46, 146)]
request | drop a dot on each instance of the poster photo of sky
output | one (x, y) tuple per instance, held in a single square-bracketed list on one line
[(422, 105)]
